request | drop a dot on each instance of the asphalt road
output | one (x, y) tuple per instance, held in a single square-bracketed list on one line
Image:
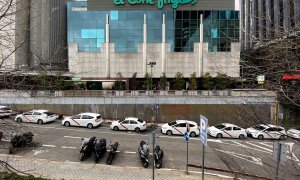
[(248, 156)]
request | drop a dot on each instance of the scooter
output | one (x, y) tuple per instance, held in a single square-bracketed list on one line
[(100, 149), (87, 147), (19, 140), (158, 157), (112, 153), (144, 153)]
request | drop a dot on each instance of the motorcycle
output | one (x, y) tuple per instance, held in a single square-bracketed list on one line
[(100, 149), (112, 153), (144, 153), (87, 147), (158, 157), (19, 140)]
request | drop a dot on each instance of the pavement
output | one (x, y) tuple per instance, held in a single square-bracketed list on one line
[(86, 171)]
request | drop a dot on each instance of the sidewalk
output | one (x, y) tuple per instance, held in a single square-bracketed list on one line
[(83, 171)]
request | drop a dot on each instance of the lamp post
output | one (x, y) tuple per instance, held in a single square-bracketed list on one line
[(151, 66)]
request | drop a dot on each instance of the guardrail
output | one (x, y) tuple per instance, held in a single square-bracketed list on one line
[(111, 93)]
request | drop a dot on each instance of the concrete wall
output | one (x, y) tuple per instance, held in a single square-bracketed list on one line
[(93, 65)]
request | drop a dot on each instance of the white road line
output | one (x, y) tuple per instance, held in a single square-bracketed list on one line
[(5, 140), (239, 144), (265, 144), (129, 152), (73, 137), (66, 147), (48, 145), (260, 147)]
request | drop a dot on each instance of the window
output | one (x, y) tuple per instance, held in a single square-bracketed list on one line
[(133, 122), (77, 117), (125, 122), (86, 117), (28, 113), (236, 128), (191, 125), (181, 125), (172, 123), (219, 126), (141, 121), (228, 129), (37, 113)]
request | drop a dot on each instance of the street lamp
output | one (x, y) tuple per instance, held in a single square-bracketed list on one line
[(151, 65)]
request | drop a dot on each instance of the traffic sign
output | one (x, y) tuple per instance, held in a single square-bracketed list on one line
[(186, 137), (203, 130)]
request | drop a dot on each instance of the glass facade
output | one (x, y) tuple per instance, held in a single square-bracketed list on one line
[(87, 28)]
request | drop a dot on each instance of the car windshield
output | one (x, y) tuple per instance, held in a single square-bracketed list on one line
[(98, 117), (219, 126), (259, 127), (172, 123), (141, 121)]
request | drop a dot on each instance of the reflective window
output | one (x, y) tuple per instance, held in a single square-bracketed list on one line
[(87, 28)]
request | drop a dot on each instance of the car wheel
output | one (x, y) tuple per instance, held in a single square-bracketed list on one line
[(193, 134), (169, 133), (19, 119), (90, 126), (260, 137), (40, 121), (219, 135), (116, 128), (241, 136), (137, 129), (67, 123), (282, 137)]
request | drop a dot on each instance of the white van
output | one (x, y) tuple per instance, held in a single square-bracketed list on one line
[(5, 111)]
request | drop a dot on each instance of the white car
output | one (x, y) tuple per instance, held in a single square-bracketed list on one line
[(267, 131), (5, 111), (294, 133), (227, 130), (129, 124), (36, 116), (87, 119), (179, 127)]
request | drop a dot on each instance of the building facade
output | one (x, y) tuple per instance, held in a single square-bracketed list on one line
[(109, 37), (266, 20)]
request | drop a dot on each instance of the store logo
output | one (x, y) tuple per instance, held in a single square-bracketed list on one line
[(160, 3)]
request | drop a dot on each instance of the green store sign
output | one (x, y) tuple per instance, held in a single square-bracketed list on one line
[(160, 3)]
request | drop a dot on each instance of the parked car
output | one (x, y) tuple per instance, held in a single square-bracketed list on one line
[(179, 127), (36, 116), (86, 119), (227, 130), (267, 131), (5, 111), (294, 132), (129, 124)]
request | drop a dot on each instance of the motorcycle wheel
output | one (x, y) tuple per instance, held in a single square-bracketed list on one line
[(81, 156), (158, 165), (145, 164), (109, 160), (10, 148)]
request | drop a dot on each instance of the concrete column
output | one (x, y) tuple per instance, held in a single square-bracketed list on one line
[(45, 31), (163, 45), (297, 14), (253, 22), (145, 45), (35, 32), (260, 20), (22, 33), (247, 16), (242, 23), (276, 17), (268, 19), (201, 47), (107, 46), (286, 15)]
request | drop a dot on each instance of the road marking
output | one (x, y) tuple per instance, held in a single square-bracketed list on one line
[(73, 137), (5, 140), (39, 151), (239, 144), (260, 147), (116, 151), (48, 145), (66, 147), (129, 152), (266, 144), (254, 160)]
